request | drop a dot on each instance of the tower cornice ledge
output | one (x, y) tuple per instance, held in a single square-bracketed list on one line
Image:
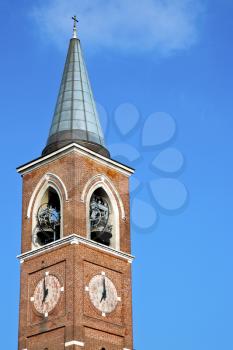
[(74, 239), (126, 170)]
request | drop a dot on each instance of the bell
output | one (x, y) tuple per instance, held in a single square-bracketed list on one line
[(103, 237), (45, 236)]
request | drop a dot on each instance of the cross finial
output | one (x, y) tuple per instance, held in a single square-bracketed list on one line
[(75, 26)]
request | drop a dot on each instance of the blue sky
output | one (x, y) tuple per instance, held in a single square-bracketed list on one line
[(148, 57)]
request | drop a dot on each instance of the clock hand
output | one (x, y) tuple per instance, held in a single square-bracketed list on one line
[(105, 290), (45, 291), (104, 294)]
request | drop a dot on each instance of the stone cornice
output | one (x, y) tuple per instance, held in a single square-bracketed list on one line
[(74, 239), (79, 149)]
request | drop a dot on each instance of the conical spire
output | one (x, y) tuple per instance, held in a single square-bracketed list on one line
[(75, 117)]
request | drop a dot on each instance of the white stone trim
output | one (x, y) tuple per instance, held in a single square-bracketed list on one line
[(102, 179), (74, 342), (81, 150), (37, 204), (75, 241), (71, 239), (126, 349), (47, 179)]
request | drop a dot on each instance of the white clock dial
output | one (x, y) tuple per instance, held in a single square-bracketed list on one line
[(103, 294), (47, 294)]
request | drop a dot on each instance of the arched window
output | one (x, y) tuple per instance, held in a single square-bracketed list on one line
[(46, 218), (102, 219)]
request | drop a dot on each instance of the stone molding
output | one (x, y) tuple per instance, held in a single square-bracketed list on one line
[(81, 150), (74, 239)]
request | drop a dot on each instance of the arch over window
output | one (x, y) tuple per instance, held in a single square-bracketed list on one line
[(47, 217), (45, 181), (103, 216), (105, 182)]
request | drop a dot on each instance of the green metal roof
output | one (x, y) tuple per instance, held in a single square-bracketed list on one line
[(75, 117)]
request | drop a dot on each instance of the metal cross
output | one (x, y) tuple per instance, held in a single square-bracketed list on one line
[(75, 20), (75, 26)]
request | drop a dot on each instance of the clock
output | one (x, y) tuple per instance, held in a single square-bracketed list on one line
[(47, 294), (103, 294)]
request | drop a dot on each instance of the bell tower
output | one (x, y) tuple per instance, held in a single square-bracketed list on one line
[(75, 287)]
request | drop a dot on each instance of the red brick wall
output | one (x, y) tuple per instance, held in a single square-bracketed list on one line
[(74, 317), (75, 171), (74, 266)]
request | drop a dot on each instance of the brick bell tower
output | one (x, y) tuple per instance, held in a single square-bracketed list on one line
[(75, 290)]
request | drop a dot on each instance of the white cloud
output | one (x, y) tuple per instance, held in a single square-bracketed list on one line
[(164, 26)]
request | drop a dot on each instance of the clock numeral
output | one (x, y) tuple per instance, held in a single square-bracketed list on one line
[(118, 298), (46, 314), (103, 273), (32, 298), (62, 289), (103, 314), (86, 289)]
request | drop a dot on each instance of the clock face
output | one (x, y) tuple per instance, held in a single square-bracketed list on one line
[(103, 294), (47, 294)]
